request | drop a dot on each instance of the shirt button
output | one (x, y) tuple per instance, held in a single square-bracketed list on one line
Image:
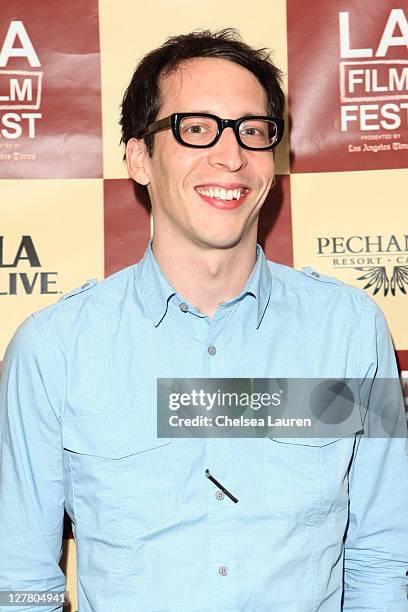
[(219, 495), (316, 274), (183, 307), (212, 350), (223, 570)]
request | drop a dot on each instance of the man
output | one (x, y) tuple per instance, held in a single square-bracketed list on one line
[(286, 524)]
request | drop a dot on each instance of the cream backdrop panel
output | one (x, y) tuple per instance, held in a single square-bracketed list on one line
[(69, 567), (128, 30), (362, 205), (64, 222)]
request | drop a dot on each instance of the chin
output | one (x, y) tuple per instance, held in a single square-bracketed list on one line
[(221, 242)]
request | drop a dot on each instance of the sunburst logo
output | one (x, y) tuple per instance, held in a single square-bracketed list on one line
[(385, 279)]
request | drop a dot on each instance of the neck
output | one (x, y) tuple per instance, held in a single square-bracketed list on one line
[(205, 277)]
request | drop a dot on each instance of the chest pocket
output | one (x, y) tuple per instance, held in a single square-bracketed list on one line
[(306, 479), (121, 475)]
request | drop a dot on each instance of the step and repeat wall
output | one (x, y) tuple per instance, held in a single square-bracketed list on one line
[(68, 212)]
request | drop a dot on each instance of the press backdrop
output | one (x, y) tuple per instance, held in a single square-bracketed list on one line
[(68, 212)]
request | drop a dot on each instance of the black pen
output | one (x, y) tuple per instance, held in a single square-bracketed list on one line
[(219, 485)]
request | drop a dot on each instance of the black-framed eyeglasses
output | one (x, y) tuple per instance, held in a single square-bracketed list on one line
[(202, 130)]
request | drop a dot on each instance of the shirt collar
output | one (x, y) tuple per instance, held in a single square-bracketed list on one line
[(157, 291), (259, 283)]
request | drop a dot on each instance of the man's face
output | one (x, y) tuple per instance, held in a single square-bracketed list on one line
[(178, 173)]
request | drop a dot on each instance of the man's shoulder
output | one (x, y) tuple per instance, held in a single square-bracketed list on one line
[(309, 282), (81, 313), (99, 296)]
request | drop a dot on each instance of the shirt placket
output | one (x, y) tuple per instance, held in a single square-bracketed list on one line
[(222, 559)]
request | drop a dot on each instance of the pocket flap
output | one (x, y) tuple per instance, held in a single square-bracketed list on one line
[(331, 415), (307, 441), (113, 435), (353, 427)]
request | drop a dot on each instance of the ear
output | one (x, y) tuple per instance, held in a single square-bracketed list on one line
[(136, 160)]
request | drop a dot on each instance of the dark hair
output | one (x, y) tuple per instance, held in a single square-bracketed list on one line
[(142, 101)]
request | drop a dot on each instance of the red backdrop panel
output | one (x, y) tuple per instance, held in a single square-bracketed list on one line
[(402, 358), (50, 90), (275, 223), (348, 84), (127, 223)]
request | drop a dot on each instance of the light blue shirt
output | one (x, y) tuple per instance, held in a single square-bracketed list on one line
[(316, 518)]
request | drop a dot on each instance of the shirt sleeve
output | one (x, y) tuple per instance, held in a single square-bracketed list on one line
[(376, 544), (31, 475)]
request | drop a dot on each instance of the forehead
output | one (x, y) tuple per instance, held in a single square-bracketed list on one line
[(213, 85)]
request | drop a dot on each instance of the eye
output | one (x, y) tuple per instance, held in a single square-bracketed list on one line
[(252, 131), (195, 128)]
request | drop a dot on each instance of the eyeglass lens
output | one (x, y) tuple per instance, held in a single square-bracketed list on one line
[(201, 131)]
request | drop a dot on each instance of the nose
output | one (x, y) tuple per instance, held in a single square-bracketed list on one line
[(227, 153)]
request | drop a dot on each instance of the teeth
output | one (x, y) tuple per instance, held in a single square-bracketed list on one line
[(222, 194)]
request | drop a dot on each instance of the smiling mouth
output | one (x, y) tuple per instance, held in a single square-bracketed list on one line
[(219, 193)]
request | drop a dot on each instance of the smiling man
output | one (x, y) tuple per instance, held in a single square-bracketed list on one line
[(203, 524), (206, 182)]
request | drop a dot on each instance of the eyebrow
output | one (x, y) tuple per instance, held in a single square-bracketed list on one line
[(245, 114)]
